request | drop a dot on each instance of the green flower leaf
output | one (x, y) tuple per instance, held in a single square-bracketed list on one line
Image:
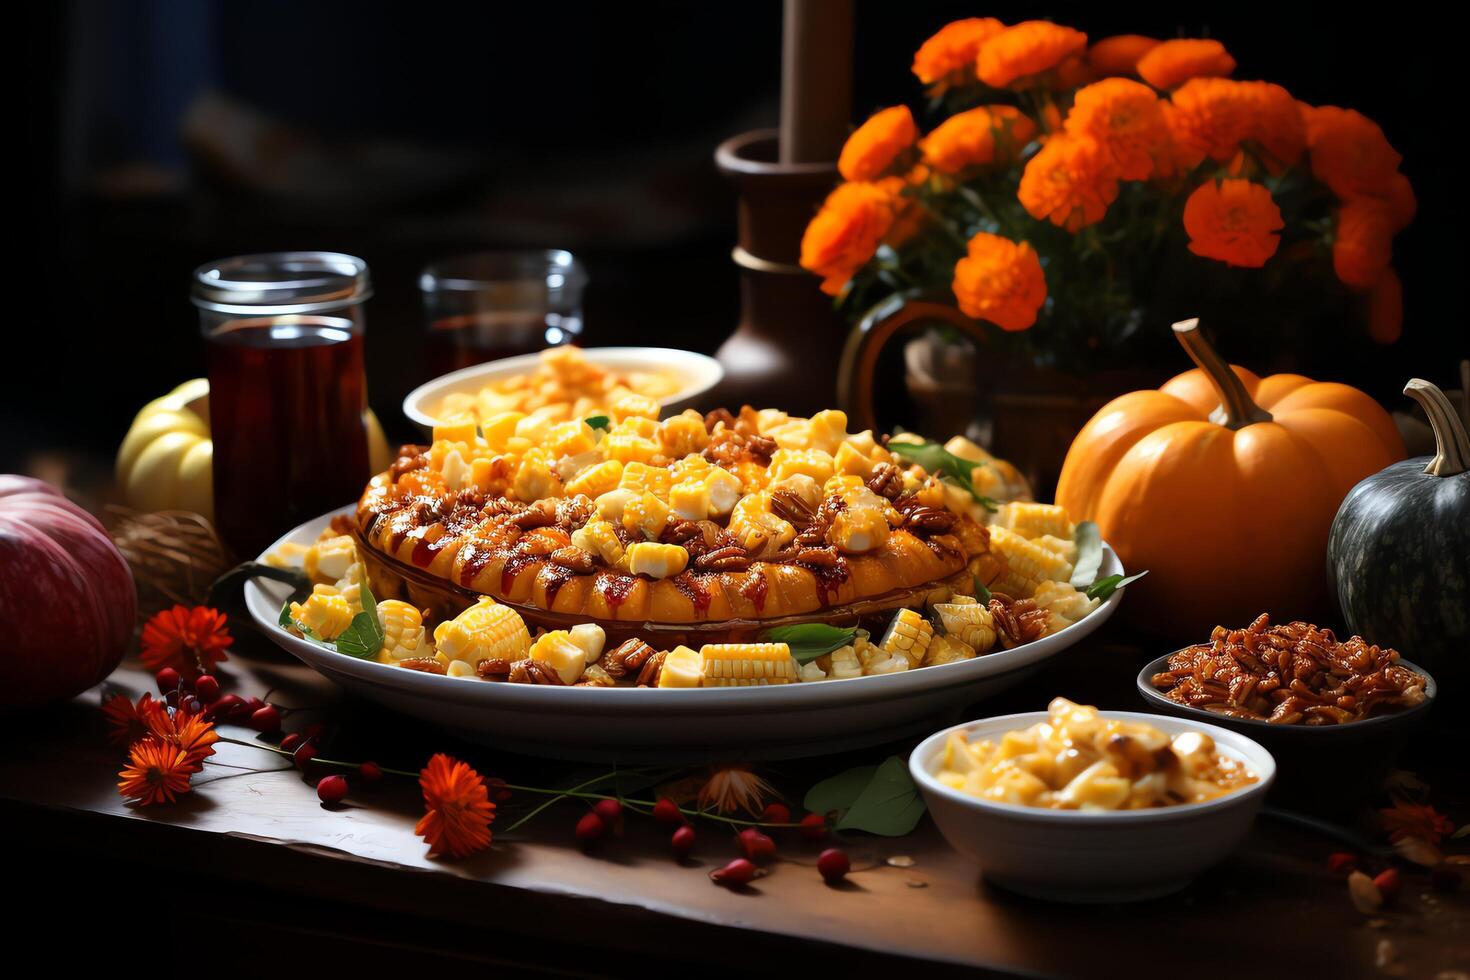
[(940, 461), (808, 641), (1105, 587), (363, 637), (1089, 554), (599, 422), (889, 805), (838, 793)]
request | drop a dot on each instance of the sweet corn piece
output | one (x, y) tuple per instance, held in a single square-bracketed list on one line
[(646, 515), (325, 612), (597, 479), (909, 634), (757, 529), (629, 447), (455, 470), (458, 668), (691, 467), (455, 432), (724, 491), (810, 672), (328, 559), (591, 638), (535, 427), (291, 554), (851, 462), (612, 505), (1027, 564), (811, 462), (968, 622), (535, 479), (570, 438), (683, 434), (690, 500), (827, 430), (498, 429), (562, 653), (403, 630), (889, 664), (947, 650), (633, 406), (863, 526), (656, 560), (681, 668), (485, 631), (844, 663), (1032, 520), (1064, 605), (746, 664), (642, 478), (601, 539), (595, 676), (1058, 546)]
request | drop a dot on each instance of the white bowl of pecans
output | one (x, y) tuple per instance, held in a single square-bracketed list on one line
[(1079, 841)]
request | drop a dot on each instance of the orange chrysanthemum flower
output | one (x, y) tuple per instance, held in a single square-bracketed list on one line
[(977, 137), (1386, 308), (194, 735), (128, 721), (1127, 120), (157, 772), (1026, 50), (875, 145), (1000, 281), (734, 787), (1118, 55), (1172, 63), (1362, 244), (1350, 154), (845, 233), (1233, 221), (1218, 117), (1070, 182), (1273, 124), (1420, 821), (952, 51), (458, 808), (191, 641)]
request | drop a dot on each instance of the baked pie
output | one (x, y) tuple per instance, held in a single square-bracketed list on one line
[(697, 521)]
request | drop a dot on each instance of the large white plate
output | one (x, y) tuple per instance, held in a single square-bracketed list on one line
[(648, 724), (699, 374)]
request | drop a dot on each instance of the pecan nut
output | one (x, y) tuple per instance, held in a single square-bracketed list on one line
[(493, 667), (427, 665), (530, 671), (628, 656), (886, 481), (574, 559), (731, 558), (652, 668), (1017, 621)]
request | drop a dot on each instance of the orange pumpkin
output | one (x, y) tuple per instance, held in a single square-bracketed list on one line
[(1223, 485)]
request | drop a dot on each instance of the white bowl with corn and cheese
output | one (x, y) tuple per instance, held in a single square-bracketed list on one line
[(1081, 853)]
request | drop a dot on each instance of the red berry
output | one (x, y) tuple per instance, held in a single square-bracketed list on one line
[(290, 741), (370, 772), (611, 811), (331, 789), (266, 719), (167, 679), (755, 844), (667, 811), (190, 705), (303, 755), (1389, 885), (1445, 879), (814, 826), (225, 706), (683, 841), (591, 826), (833, 864), (206, 686), (314, 730), (254, 704), (1341, 862), (737, 872), (776, 813)]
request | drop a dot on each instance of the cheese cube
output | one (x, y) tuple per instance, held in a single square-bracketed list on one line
[(681, 668)]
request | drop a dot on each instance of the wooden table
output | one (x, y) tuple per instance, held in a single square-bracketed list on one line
[(251, 866)]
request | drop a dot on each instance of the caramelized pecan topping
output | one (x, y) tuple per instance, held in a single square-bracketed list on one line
[(575, 559), (427, 665), (731, 558), (530, 671), (627, 657), (713, 419), (493, 667), (931, 520), (788, 505), (1017, 621), (652, 667), (886, 481)]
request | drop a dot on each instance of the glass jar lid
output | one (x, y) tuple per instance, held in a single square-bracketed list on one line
[(281, 282)]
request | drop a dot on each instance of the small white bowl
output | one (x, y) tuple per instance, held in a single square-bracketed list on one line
[(699, 374), (1086, 855)]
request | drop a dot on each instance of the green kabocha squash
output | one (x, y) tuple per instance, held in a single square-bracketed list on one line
[(1398, 556)]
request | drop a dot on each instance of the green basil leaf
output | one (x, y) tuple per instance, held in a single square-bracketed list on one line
[(363, 637), (285, 618), (981, 592), (838, 793), (1089, 554), (808, 641), (943, 463), (1105, 587), (599, 422), (889, 806)]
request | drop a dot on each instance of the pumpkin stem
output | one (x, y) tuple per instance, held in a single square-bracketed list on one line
[(1237, 409), (1452, 443)]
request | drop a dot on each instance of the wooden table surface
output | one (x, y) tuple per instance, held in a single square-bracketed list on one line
[(251, 855)]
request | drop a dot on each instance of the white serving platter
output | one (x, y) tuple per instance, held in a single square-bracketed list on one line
[(698, 372), (652, 725)]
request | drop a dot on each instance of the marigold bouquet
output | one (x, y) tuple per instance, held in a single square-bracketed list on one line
[(1070, 184)]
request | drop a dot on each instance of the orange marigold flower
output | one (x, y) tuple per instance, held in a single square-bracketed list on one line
[(1233, 221), (1421, 821), (845, 233), (1207, 117), (734, 787), (952, 51), (1000, 281), (1026, 50), (977, 137), (1127, 120), (1073, 73), (1402, 205), (908, 216), (873, 146), (1273, 121), (1386, 308), (1119, 54), (1172, 63), (157, 772), (1070, 182), (190, 640), (458, 811), (1350, 154), (1362, 244), (129, 722)]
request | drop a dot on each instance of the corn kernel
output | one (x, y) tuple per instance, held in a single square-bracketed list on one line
[(329, 559), (485, 631), (601, 539), (681, 668), (724, 491), (591, 638), (570, 438), (499, 428), (746, 664), (690, 500), (458, 668), (646, 515), (683, 434), (809, 462), (403, 630), (909, 634), (643, 478), (325, 612), (534, 479), (597, 479), (633, 406), (455, 432), (969, 622), (656, 560), (826, 430), (628, 447), (557, 649)]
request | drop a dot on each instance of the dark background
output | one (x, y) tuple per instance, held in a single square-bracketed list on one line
[(163, 134)]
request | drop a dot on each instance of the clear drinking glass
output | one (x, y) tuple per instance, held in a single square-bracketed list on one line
[(498, 304), (287, 389)]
